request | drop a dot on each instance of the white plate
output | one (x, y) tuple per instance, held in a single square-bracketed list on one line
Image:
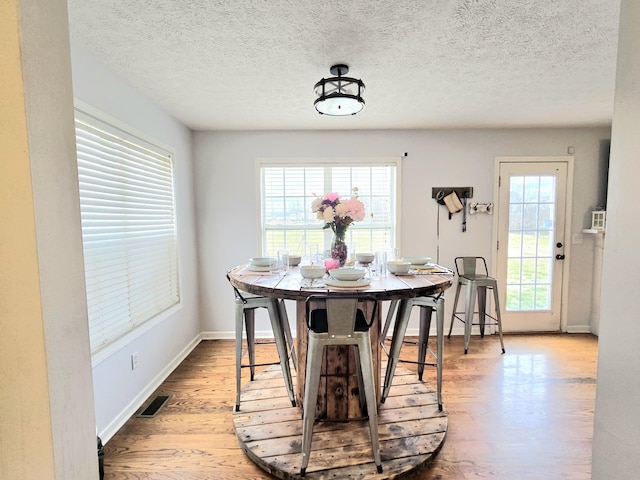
[(262, 261), (258, 268), (428, 266), (417, 260), (347, 283)]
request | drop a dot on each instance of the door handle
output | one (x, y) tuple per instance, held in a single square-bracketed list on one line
[(560, 257), (559, 244)]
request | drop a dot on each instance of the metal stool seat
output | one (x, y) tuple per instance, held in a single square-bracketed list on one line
[(245, 306), (340, 322), (427, 305), (476, 285)]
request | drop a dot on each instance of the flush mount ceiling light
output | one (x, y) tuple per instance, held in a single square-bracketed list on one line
[(339, 95)]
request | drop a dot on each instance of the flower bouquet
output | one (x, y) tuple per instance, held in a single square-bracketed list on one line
[(337, 215)]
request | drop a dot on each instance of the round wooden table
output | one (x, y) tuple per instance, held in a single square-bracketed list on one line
[(338, 399)]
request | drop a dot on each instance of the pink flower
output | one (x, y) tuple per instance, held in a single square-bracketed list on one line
[(332, 197), (337, 214), (354, 209)]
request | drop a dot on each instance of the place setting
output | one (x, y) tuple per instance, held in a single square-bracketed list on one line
[(262, 264), (424, 266), (333, 277), (348, 278)]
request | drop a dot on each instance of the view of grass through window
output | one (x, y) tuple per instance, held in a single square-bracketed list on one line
[(530, 249)]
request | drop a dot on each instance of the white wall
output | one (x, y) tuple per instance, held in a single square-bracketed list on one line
[(227, 196), (118, 390), (47, 422), (616, 439)]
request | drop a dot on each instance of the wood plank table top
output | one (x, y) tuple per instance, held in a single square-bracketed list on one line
[(293, 287)]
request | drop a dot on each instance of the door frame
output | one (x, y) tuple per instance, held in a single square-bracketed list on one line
[(566, 263)]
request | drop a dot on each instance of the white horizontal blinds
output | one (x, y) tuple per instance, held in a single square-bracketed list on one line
[(287, 218), (287, 193), (376, 190), (128, 229)]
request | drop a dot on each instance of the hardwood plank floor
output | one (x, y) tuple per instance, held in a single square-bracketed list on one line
[(527, 414)]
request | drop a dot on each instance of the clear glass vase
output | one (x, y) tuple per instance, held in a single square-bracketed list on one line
[(339, 249)]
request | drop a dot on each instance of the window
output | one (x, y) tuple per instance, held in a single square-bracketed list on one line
[(128, 229), (289, 188)]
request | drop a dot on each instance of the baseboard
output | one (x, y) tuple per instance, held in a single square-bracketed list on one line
[(579, 329), (411, 332), (232, 335), (133, 406)]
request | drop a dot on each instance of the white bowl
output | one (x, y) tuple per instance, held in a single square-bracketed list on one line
[(263, 261), (347, 273), (417, 260), (365, 257), (312, 271), (294, 260), (398, 266)]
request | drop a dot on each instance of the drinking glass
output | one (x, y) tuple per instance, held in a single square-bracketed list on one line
[(381, 264), (312, 251), (283, 261)]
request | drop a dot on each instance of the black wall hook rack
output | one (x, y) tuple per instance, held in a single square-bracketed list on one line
[(441, 192), (463, 193)]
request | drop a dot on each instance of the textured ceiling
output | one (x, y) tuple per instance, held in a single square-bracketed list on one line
[(252, 64)]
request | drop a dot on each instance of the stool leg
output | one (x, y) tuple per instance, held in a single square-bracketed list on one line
[(482, 308), (440, 346), (455, 306), (366, 365), (250, 327), (387, 323), (469, 309), (361, 388), (276, 325), (284, 320), (312, 383), (498, 318), (423, 339), (402, 320), (239, 320)]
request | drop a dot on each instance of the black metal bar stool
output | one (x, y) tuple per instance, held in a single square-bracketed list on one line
[(245, 306), (427, 305), (476, 285)]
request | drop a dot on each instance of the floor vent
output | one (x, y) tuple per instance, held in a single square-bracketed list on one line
[(154, 407)]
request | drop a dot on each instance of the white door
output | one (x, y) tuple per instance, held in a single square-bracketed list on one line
[(531, 231)]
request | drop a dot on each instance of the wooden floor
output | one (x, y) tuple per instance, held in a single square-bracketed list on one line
[(527, 414), (411, 427)]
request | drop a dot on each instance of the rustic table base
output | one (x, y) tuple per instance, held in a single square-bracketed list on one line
[(338, 395), (412, 431)]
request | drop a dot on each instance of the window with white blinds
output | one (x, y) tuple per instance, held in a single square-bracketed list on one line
[(128, 229), (287, 190)]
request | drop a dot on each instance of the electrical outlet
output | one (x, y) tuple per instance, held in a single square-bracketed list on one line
[(134, 361), (576, 239)]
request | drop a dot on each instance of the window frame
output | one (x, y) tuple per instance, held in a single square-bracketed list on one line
[(342, 162), (114, 126)]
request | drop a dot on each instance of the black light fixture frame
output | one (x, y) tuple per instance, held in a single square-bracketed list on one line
[(337, 84)]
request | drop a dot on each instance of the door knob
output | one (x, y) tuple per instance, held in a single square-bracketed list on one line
[(559, 244), (560, 257)]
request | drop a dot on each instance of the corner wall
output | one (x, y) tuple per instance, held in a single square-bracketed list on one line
[(118, 390), (47, 422), (616, 437)]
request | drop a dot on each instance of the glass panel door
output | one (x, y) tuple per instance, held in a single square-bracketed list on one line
[(530, 236)]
